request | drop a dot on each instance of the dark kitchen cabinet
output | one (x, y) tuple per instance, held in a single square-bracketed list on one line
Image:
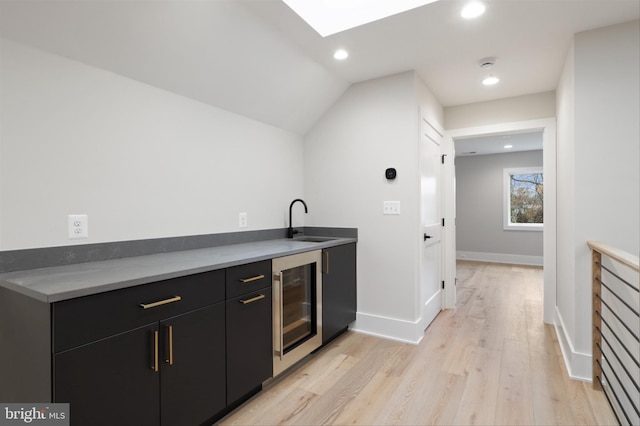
[(192, 375), (169, 371), (248, 327), (109, 382), (338, 290), (180, 351)]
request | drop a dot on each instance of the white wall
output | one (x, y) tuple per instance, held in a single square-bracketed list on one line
[(141, 162), (607, 133), (372, 127), (519, 108), (566, 259), (598, 170), (480, 208)]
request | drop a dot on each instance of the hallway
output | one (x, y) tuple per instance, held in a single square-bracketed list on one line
[(490, 361)]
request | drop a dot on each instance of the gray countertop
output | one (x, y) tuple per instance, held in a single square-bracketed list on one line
[(67, 282)]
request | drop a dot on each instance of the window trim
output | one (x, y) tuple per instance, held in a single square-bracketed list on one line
[(506, 208)]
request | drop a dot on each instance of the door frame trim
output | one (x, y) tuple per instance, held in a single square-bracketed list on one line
[(548, 127)]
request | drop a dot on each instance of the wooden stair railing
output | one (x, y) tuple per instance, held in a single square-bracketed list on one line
[(616, 329)]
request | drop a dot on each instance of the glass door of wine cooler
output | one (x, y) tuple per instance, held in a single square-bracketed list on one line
[(297, 307)]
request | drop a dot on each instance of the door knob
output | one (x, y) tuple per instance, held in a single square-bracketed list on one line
[(426, 237)]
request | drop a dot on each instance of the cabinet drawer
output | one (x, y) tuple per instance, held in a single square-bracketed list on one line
[(248, 278), (86, 319)]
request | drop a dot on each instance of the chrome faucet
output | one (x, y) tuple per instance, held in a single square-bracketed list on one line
[(290, 231)]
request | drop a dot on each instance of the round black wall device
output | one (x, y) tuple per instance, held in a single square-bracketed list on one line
[(390, 173)]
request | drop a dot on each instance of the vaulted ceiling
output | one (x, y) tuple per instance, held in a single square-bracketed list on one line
[(259, 59)]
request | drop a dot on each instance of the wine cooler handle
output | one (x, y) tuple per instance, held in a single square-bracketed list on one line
[(277, 341)]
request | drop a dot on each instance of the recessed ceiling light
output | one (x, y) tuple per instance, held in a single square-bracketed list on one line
[(508, 146), (340, 54), (490, 81), (472, 10)]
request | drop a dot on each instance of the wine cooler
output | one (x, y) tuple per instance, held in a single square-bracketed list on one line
[(297, 308)]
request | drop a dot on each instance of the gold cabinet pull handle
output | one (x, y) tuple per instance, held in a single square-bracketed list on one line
[(248, 280), (160, 303), (253, 299), (169, 360), (154, 365)]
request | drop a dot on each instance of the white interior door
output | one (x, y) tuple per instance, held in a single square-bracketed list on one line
[(431, 261)]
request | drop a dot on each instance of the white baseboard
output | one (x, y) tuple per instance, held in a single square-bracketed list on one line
[(389, 328), (517, 259), (578, 364)]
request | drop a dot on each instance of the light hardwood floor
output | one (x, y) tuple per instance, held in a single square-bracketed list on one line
[(492, 360)]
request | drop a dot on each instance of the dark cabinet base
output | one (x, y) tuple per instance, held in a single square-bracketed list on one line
[(110, 381), (249, 344), (192, 388), (338, 290), (173, 352), (114, 381)]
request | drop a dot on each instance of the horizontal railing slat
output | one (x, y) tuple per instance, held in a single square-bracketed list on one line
[(628, 318)]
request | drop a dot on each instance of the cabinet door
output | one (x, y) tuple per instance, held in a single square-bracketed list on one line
[(193, 366), (338, 289), (110, 381), (249, 343)]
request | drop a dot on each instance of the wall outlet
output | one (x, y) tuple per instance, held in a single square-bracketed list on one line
[(242, 219), (391, 207), (77, 226)]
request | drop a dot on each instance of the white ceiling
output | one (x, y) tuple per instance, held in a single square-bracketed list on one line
[(495, 144), (259, 59), (529, 38)]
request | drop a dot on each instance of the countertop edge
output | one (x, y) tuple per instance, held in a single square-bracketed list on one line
[(12, 280)]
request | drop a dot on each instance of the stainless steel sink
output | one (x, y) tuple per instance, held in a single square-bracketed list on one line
[(312, 239)]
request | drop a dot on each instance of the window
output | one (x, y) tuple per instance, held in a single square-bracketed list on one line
[(523, 199)]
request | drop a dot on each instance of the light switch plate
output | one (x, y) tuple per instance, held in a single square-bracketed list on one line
[(391, 207), (242, 219)]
